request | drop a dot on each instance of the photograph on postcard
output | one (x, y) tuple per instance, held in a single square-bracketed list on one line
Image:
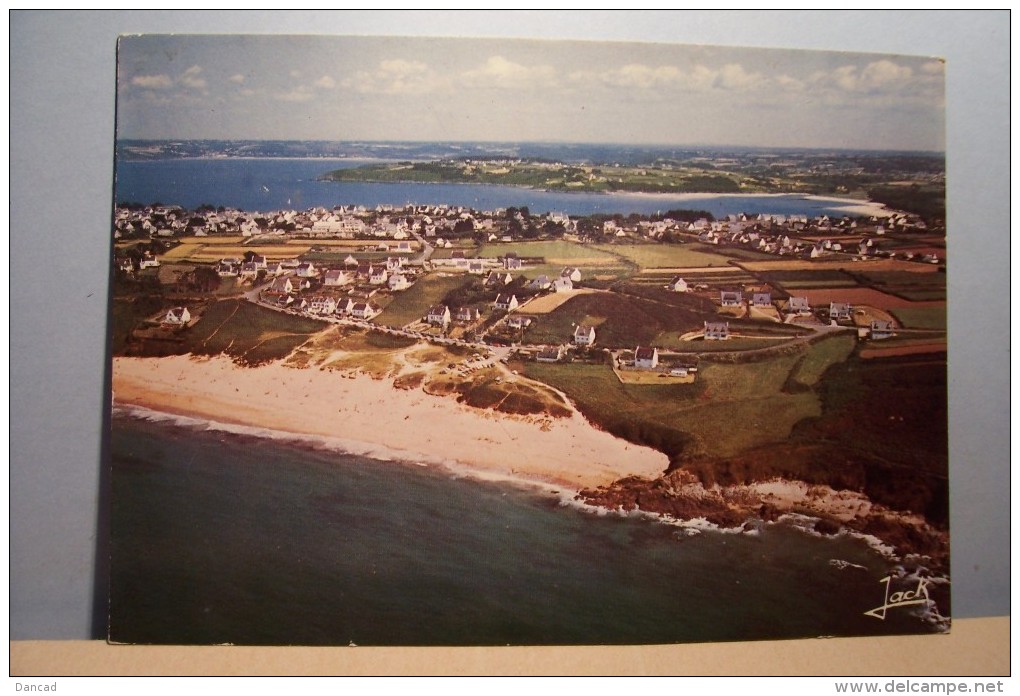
[(493, 342)]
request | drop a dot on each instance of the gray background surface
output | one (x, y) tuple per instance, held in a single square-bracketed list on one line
[(62, 93)]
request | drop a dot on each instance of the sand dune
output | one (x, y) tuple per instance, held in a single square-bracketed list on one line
[(566, 452)]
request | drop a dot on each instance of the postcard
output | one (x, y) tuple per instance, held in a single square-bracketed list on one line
[(476, 342)]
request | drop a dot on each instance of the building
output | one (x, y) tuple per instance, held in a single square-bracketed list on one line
[(550, 354), (584, 335), (178, 316), (678, 284), (839, 311), (717, 330), (438, 315), (798, 305), (507, 303), (731, 298), (646, 358), (881, 329)]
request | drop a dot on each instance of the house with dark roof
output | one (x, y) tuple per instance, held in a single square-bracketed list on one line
[(798, 305), (678, 284), (584, 335), (177, 316), (506, 302), (646, 358), (880, 329), (467, 314), (439, 315), (839, 311), (731, 298), (550, 354), (717, 330)]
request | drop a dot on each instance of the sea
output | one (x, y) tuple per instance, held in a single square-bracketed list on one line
[(266, 184), (222, 535)]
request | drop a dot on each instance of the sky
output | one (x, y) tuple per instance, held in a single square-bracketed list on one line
[(421, 89)]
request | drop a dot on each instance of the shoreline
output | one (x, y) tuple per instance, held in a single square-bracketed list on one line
[(567, 457), (373, 415), (855, 206)]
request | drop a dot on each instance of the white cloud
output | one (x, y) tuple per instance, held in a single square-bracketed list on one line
[(398, 77), (734, 77), (237, 79), (325, 82), (876, 77), (295, 74), (502, 73), (641, 76), (152, 81), (190, 78), (696, 78), (298, 94)]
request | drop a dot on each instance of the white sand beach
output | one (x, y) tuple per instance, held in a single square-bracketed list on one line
[(415, 426)]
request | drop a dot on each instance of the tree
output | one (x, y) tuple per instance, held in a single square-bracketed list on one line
[(205, 279)]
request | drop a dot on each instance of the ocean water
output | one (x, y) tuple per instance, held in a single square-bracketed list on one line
[(226, 538), (278, 184)]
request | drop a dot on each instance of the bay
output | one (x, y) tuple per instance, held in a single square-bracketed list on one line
[(265, 184), (221, 538)]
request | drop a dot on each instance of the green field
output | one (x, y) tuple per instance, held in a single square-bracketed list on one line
[(730, 407), (922, 317), (624, 321), (918, 287), (671, 340), (561, 250), (789, 285), (822, 355), (248, 333), (667, 255), (413, 304)]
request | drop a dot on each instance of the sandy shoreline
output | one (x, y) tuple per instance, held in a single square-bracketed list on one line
[(416, 426)]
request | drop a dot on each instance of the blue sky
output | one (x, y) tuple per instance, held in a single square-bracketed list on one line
[(370, 88)]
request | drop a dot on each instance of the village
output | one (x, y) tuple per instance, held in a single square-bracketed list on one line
[(508, 279)]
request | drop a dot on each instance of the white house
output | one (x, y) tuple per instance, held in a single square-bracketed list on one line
[(363, 310), (467, 314), (678, 284), (550, 354), (506, 302), (584, 335), (798, 305), (438, 315), (562, 284), (398, 281), (178, 316), (336, 277), (307, 270), (731, 298), (646, 358), (518, 321), (321, 304), (717, 330), (496, 279), (881, 329), (573, 273), (839, 310), (542, 282)]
